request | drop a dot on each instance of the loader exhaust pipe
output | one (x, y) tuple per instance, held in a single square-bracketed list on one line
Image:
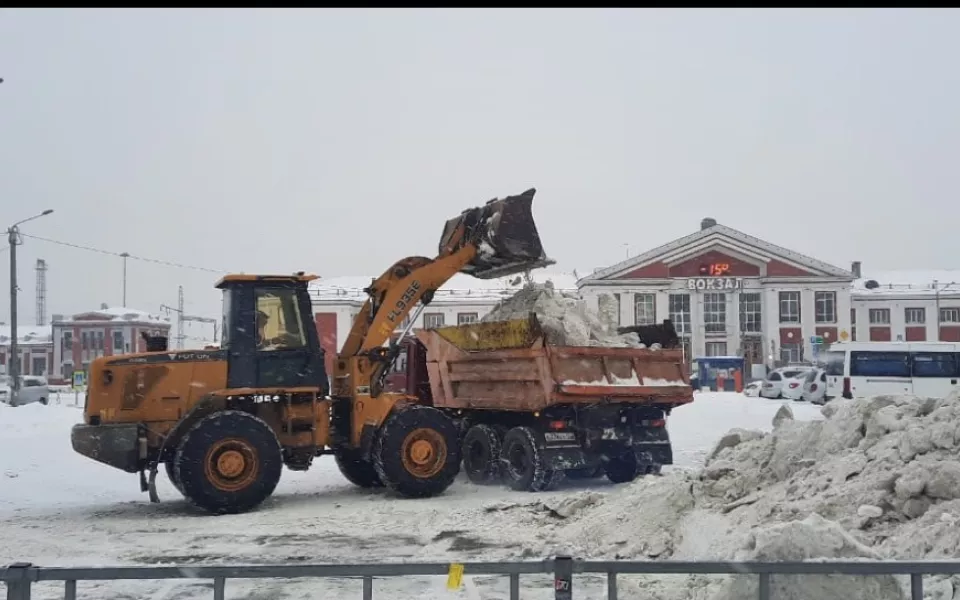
[(505, 234)]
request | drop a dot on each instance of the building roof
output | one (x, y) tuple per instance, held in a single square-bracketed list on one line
[(27, 335), (460, 289), (115, 313), (909, 283), (708, 237), (234, 278)]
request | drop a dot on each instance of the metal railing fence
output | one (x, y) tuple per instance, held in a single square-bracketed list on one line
[(20, 577)]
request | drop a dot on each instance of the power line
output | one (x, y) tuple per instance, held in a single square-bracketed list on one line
[(121, 255)]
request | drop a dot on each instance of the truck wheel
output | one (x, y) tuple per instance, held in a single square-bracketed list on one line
[(172, 474), (481, 454), (358, 471), (228, 462), (417, 452), (623, 468), (523, 468)]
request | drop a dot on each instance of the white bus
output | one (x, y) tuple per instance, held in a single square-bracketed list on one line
[(858, 369)]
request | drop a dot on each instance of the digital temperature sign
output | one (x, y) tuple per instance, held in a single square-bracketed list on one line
[(715, 269)]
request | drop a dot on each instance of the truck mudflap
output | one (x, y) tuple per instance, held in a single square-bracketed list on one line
[(562, 450), (114, 445)]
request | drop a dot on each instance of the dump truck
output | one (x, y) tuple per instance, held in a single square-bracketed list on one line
[(530, 412), (224, 421)]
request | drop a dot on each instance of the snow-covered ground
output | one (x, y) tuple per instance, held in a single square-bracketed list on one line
[(60, 509)]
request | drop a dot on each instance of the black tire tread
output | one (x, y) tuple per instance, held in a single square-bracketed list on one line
[(193, 482), (489, 436), (541, 479), (386, 452), (357, 470)]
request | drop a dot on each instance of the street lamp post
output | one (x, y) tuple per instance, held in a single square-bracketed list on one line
[(13, 237), (125, 256)]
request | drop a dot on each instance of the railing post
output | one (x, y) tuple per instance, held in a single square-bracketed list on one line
[(70, 589), (367, 587), (611, 585), (219, 588), (19, 587), (916, 586), (514, 586), (764, 586), (563, 578)]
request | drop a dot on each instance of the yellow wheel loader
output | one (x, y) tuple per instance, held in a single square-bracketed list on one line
[(224, 421)]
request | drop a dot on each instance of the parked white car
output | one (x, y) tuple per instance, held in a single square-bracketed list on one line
[(785, 382), (752, 389), (815, 387), (32, 389)]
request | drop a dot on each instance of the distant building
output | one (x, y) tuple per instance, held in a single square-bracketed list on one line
[(80, 338), (34, 345), (462, 300), (908, 306), (731, 294)]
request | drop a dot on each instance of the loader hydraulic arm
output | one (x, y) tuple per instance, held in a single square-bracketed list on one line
[(494, 240), (395, 293)]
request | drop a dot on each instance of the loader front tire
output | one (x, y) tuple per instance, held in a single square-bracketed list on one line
[(417, 452), (228, 462), (356, 469), (172, 474), (481, 454)]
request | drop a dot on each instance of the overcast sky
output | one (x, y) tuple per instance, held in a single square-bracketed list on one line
[(338, 141)]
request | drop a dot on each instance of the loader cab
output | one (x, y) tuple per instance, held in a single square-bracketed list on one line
[(269, 335)]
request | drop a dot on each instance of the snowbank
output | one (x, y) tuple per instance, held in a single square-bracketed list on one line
[(878, 478), (565, 318)]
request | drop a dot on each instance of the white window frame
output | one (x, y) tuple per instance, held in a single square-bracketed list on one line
[(678, 309), (645, 309), (879, 316), (751, 312), (787, 301), (791, 353), (915, 315), (711, 348), (825, 307), (715, 313), (467, 318), (433, 320), (950, 314)]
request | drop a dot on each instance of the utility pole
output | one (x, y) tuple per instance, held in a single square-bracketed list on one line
[(125, 256), (13, 238), (184, 318)]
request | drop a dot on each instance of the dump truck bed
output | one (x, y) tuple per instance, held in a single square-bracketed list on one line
[(510, 365)]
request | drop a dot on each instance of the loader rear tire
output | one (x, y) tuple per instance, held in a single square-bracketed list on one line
[(417, 452), (228, 462), (356, 469), (481, 454), (523, 467)]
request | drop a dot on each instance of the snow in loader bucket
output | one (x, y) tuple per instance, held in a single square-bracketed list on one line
[(506, 236)]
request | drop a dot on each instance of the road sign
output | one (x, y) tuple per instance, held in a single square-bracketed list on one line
[(79, 379), (816, 339)]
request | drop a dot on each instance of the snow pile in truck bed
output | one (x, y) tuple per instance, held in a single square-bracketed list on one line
[(878, 478), (566, 320)]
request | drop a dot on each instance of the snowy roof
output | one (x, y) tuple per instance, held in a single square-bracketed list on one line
[(460, 289), (704, 240), (27, 335), (909, 283), (116, 313)]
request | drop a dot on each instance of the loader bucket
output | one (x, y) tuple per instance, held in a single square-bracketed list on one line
[(505, 235)]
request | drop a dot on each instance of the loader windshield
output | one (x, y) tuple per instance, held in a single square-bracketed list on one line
[(279, 324)]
